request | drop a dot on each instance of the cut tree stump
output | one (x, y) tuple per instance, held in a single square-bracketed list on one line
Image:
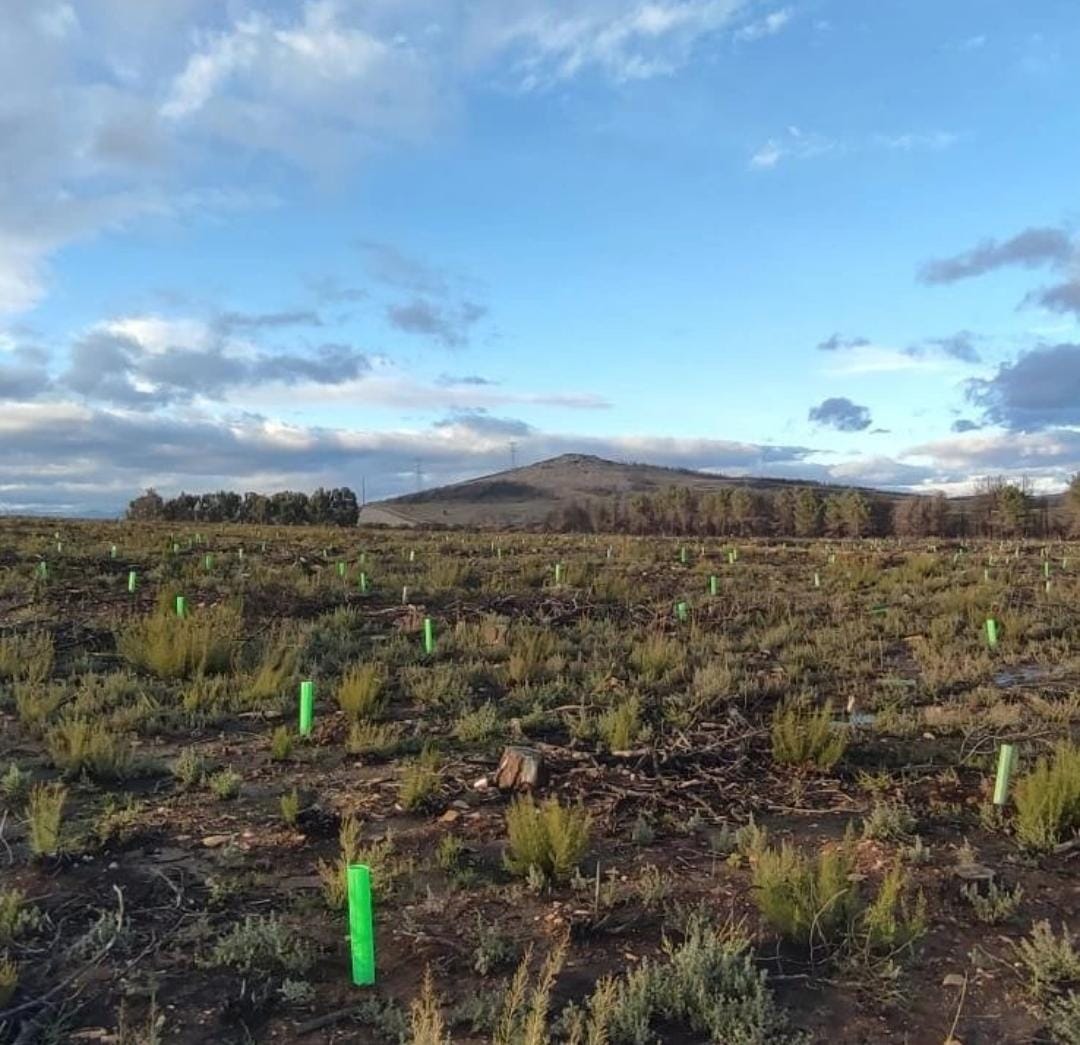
[(520, 769)]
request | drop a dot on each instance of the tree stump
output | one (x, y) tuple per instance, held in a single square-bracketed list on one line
[(520, 769)]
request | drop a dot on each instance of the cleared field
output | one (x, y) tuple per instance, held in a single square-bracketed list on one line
[(765, 813)]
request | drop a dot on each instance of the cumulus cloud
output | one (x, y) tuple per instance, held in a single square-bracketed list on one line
[(965, 424), (229, 322), (837, 341), (115, 365), (451, 325), (1062, 298), (1039, 390), (959, 346), (1031, 248), (842, 414), (23, 373), (769, 25)]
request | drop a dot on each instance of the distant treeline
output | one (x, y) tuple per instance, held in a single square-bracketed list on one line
[(337, 507), (999, 509)]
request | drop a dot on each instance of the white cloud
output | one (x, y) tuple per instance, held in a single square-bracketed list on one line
[(770, 25), (879, 359)]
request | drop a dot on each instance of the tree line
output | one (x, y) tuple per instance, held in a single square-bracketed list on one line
[(337, 507), (997, 509)]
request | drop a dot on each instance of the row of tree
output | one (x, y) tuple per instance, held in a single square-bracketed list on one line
[(337, 507), (998, 509)]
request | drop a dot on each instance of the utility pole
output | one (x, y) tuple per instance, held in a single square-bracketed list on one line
[(513, 454), (419, 476), (363, 490)]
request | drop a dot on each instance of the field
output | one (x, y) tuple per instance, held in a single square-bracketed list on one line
[(767, 816)]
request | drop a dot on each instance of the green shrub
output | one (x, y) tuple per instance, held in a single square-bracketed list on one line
[(281, 744), (182, 647), (420, 780), (531, 653), (815, 901), (620, 727), (809, 900), (1048, 799), (479, 725), (290, 807), (9, 979), (77, 745), (550, 837), (17, 918), (372, 738), (225, 784), (45, 811), (1051, 961), (360, 693), (27, 658), (658, 657), (426, 1024), (804, 736), (262, 944), (274, 677)]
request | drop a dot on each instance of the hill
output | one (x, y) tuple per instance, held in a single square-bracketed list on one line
[(526, 497)]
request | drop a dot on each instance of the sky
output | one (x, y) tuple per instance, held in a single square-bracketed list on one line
[(264, 245)]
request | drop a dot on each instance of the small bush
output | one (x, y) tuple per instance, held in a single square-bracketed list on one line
[(995, 905), (27, 658), (531, 653), (804, 736), (420, 780), (182, 647), (225, 784), (77, 745), (274, 676), (281, 744), (9, 979), (426, 1025), (45, 811), (657, 658), (290, 807), (189, 768), (620, 727), (360, 693), (478, 726), (550, 837), (262, 943), (1051, 961), (17, 918), (889, 822), (1048, 799), (371, 738)]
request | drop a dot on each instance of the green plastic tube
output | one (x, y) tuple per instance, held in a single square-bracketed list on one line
[(361, 925)]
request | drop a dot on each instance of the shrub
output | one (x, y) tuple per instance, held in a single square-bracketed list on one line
[(815, 901), (45, 811), (550, 837), (419, 780), (274, 676), (189, 768), (225, 784), (475, 727), (889, 822), (808, 900), (290, 807), (182, 647), (360, 692), (620, 726), (262, 943), (281, 744), (1048, 799), (9, 979), (426, 1025), (16, 917), (1051, 960), (523, 1018), (371, 738), (77, 745), (531, 650), (27, 658), (803, 736), (707, 984), (658, 657)]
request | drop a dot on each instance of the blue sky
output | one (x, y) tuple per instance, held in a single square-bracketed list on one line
[(259, 244)]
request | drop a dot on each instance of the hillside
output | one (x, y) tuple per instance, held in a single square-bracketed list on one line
[(525, 497)]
